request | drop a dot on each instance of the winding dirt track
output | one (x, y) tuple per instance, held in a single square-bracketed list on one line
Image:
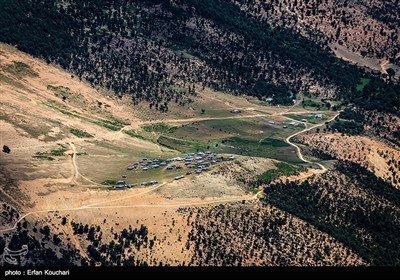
[(76, 174), (298, 150)]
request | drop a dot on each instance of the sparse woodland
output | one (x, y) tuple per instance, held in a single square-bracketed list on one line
[(367, 27), (260, 235), (352, 205)]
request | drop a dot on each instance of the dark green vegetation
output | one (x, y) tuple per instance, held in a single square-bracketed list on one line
[(80, 133), (43, 247), (313, 104), (110, 182), (158, 128), (114, 252), (350, 121), (252, 137), (114, 125), (20, 70), (133, 133), (348, 127), (112, 43), (49, 155), (282, 169), (368, 220), (361, 85)]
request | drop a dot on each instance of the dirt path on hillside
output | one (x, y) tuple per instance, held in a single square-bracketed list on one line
[(298, 150)]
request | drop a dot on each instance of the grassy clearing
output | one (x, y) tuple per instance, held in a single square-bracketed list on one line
[(33, 129), (283, 169), (260, 102), (274, 142), (62, 109), (6, 80), (255, 137), (60, 91), (233, 126), (310, 118), (198, 131), (20, 70), (361, 85), (43, 157), (138, 176), (267, 148), (314, 104), (111, 124), (158, 128), (80, 133), (180, 144), (334, 102), (134, 134)]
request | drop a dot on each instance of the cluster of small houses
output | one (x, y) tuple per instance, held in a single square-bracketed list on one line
[(199, 161)]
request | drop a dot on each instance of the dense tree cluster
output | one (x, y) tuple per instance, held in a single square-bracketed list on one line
[(8, 214), (158, 51)]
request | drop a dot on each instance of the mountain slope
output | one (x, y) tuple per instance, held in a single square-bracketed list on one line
[(159, 51), (367, 28)]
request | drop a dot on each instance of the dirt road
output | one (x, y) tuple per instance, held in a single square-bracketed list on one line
[(298, 150)]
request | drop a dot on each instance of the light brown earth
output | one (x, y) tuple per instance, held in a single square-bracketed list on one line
[(34, 119), (374, 155)]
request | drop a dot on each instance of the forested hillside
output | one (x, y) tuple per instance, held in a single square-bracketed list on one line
[(158, 51), (350, 204), (366, 27)]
